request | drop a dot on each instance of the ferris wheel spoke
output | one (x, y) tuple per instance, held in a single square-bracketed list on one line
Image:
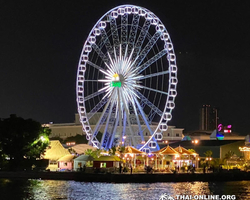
[(153, 75), (119, 102), (100, 120), (141, 38), (147, 48), (129, 124), (133, 32), (106, 42), (92, 81), (143, 115), (148, 126), (151, 116), (115, 36), (149, 104), (97, 107), (94, 95), (94, 65), (100, 53), (124, 30), (152, 60), (107, 122), (113, 136), (155, 90), (124, 126), (138, 121)]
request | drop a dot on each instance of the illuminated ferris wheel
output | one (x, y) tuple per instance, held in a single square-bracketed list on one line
[(126, 80)]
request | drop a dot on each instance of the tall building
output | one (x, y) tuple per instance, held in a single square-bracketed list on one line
[(208, 118)]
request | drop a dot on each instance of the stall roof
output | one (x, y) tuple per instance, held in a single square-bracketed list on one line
[(55, 150), (130, 149), (166, 151), (107, 158), (81, 148), (183, 151), (84, 158), (67, 158)]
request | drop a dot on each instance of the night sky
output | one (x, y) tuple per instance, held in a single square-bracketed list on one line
[(41, 42)]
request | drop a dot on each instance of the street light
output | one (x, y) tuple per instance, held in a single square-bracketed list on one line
[(123, 138), (42, 138), (195, 141)]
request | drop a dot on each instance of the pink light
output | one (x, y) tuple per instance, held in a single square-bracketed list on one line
[(220, 127), (229, 126)]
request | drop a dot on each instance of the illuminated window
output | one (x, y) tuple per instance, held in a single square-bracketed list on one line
[(53, 162), (103, 165)]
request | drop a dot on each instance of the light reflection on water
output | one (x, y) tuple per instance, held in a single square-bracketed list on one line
[(52, 190)]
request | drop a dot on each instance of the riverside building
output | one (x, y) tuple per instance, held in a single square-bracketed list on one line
[(65, 130)]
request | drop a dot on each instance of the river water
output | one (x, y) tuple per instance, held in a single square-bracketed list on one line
[(56, 189)]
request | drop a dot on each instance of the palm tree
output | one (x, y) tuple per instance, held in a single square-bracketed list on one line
[(228, 155), (192, 150), (208, 153), (112, 150), (88, 152), (121, 149), (95, 154)]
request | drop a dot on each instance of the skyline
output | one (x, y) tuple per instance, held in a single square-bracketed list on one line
[(42, 41)]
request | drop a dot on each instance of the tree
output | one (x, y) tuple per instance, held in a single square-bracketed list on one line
[(21, 138), (94, 153), (192, 150), (208, 153), (228, 155), (112, 150), (121, 149), (78, 139), (39, 146)]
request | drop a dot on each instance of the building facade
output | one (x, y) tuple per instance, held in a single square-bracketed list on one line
[(65, 130)]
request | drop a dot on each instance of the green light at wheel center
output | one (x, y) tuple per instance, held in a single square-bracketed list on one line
[(115, 84)]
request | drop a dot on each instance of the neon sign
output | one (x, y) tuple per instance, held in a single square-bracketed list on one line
[(244, 148), (225, 129), (220, 126)]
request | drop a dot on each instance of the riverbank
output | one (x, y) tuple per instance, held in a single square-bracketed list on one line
[(127, 178)]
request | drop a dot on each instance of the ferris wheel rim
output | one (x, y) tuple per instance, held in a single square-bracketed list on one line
[(86, 42)]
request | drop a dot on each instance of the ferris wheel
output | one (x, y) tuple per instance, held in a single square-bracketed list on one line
[(126, 80)]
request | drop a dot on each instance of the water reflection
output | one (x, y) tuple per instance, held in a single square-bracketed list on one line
[(51, 189), (191, 188)]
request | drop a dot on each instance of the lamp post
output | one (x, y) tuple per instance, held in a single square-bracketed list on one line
[(123, 142), (195, 142), (208, 160)]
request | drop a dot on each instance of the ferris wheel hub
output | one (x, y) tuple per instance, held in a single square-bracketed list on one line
[(117, 80)]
